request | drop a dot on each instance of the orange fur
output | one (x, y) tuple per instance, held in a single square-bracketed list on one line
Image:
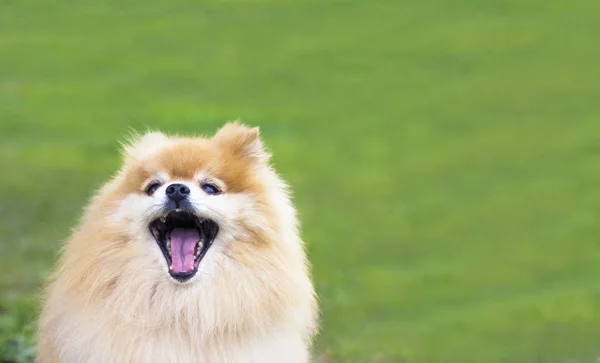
[(112, 300)]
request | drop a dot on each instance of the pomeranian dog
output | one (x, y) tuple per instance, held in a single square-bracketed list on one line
[(191, 253)]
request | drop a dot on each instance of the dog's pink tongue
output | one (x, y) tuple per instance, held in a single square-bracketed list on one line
[(183, 244)]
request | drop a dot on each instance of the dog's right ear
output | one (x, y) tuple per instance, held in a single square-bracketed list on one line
[(242, 141), (139, 147)]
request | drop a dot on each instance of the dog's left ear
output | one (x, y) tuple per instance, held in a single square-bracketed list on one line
[(242, 141), (140, 147)]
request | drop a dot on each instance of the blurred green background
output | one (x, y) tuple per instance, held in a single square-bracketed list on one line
[(445, 155)]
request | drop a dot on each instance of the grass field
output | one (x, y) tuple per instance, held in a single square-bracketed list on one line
[(445, 155)]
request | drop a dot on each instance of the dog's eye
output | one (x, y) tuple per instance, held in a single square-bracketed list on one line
[(152, 188), (210, 188)]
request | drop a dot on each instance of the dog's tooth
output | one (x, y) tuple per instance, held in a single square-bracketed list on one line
[(163, 219)]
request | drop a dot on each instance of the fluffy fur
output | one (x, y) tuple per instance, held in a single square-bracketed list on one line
[(112, 300)]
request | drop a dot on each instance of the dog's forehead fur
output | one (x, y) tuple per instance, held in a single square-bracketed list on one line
[(232, 156)]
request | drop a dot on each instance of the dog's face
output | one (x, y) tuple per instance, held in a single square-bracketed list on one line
[(186, 201)]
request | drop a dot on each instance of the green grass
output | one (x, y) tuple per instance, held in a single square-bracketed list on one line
[(445, 155)]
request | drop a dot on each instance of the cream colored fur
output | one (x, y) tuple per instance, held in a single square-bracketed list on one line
[(111, 298)]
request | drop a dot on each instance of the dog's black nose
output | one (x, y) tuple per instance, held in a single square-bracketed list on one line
[(177, 192)]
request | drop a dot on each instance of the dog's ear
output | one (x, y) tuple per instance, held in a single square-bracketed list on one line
[(242, 141), (138, 147)]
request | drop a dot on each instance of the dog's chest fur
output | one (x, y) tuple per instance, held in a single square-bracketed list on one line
[(109, 343)]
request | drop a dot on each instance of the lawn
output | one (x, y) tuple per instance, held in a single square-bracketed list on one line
[(445, 155)]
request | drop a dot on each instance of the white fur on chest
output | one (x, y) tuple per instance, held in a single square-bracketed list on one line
[(138, 346)]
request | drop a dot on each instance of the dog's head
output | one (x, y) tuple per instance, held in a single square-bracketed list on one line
[(189, 203)]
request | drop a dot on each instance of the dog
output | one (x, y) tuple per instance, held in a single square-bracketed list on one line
[(191, 253)]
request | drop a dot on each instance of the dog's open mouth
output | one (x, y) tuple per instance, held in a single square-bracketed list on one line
[(184, 239)]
